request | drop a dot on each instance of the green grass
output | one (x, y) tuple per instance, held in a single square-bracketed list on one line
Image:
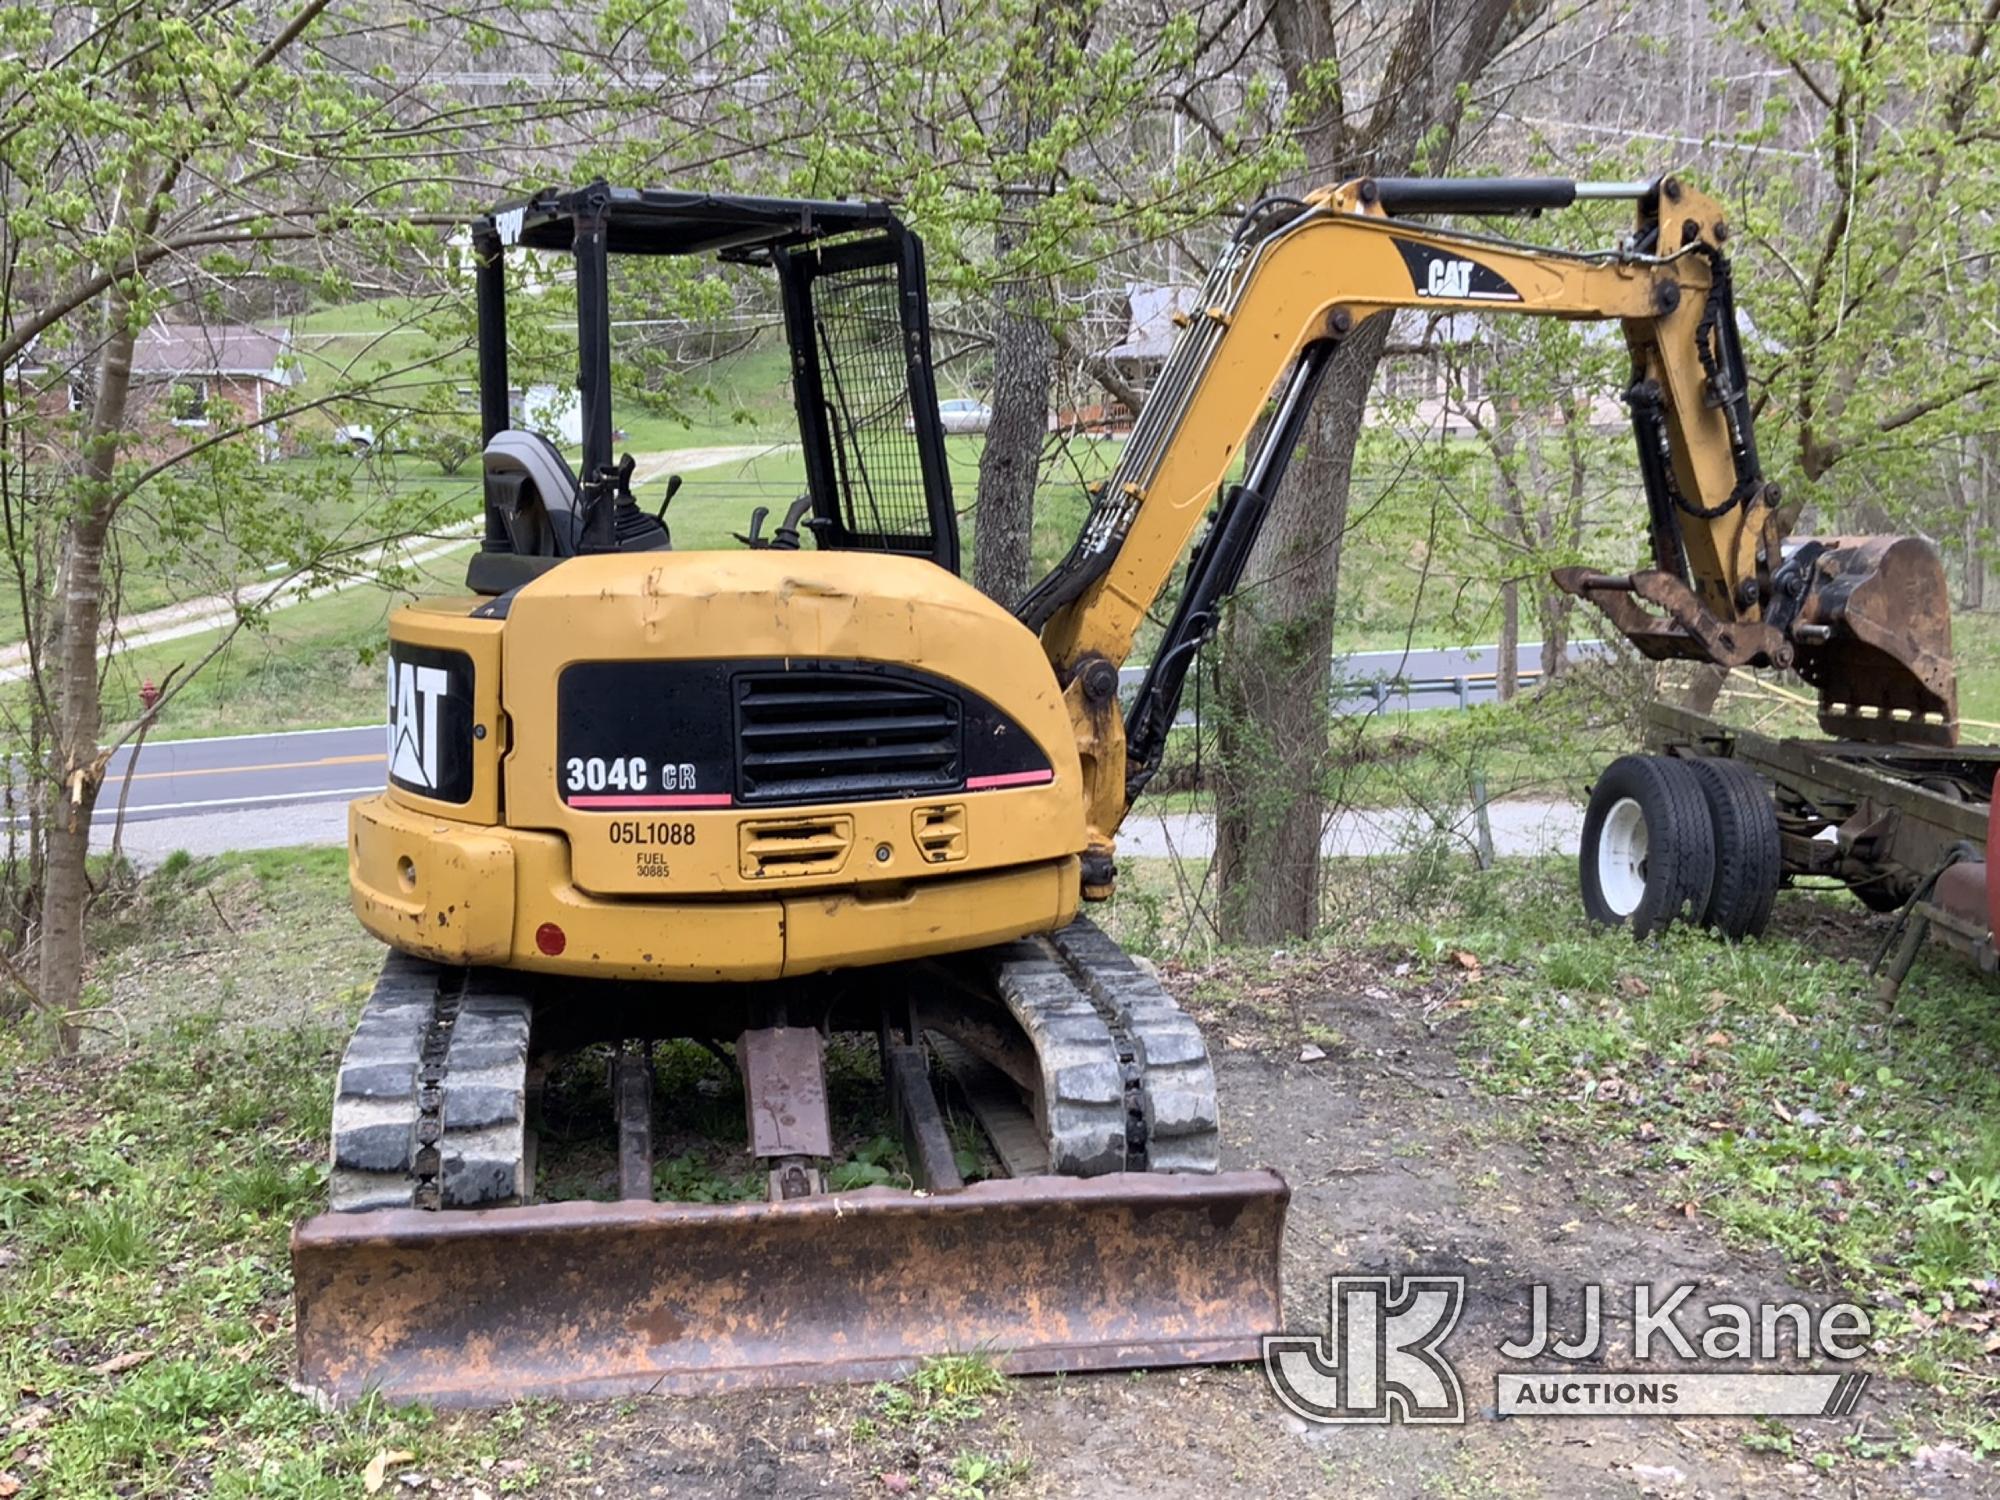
[(312, 665), (147, 1198), (146, 1193), (264, 937), (1763, 1085), (147, 1189)]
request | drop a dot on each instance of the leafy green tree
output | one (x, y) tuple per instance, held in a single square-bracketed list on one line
[(1870, 230), (191, 163)]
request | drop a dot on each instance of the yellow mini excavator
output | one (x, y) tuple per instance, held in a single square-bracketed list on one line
[(821, 785)]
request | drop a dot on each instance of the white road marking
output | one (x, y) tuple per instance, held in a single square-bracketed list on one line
[(107, 811)]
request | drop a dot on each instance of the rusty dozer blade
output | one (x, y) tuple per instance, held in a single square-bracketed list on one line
[(1874, 637), (598, 1299)]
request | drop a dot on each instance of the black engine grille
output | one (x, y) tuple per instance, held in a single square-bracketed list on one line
[(817, 735)]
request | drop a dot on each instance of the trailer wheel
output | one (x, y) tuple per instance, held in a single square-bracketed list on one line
[(1748, 860), (1648, 855)]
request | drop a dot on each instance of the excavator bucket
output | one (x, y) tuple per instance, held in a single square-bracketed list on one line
[(1874, 637), (597, 1299)]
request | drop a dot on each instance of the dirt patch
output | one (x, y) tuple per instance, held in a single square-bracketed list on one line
[(1397, 1162)]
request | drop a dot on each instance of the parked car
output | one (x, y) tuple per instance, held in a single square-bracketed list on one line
[(965, 415), (960, 414)]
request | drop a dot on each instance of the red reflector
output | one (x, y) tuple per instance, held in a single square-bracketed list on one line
[(549, 938)]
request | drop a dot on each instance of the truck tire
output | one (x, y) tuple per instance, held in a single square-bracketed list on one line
[(1748, 860), (1648, 854)]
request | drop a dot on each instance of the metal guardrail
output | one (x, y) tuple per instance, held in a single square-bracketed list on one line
[(1355, 688)]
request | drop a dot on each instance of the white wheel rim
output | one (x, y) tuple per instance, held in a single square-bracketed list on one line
[(1621, 858)]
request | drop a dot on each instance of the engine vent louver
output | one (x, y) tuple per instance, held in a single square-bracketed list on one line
[(822, 736), (794, 846)]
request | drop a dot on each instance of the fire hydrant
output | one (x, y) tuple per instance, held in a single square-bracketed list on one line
[(148, 695)]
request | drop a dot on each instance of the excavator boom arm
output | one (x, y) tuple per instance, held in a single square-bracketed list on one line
[(1296, 283), (1301, 287)]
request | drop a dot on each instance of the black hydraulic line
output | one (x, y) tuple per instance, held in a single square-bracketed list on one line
[(1258, 211), (1649, 429), (1719, 344), (1719, 347), (1215, 569)]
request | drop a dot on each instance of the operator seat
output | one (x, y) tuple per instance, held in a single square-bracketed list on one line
[(534, 514), (532, 487)]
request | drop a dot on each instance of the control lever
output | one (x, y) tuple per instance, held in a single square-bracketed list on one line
[(786, 537), (673, 489)]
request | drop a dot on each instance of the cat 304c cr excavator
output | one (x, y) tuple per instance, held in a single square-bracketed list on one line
[(756, 797)]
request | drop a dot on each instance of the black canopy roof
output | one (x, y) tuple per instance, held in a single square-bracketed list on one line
[(657, 221)]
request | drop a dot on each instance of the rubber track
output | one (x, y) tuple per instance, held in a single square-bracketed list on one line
[(1083, 1090), (1177, 1081), (476, 1120), (1077, 996)]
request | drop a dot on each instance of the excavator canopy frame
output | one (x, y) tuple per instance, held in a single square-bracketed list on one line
[(852, 285)]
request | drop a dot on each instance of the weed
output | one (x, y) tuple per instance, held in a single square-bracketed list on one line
[(97, 1235), (271, 1188), (1762, 1081), (876, 1163), (977, 1475), (689, 1178)]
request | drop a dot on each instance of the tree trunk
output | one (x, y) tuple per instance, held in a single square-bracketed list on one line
[(1278, 643), (76, 708), (1278, 646), (1969, 488), (1023, 375), (1554, 610), (1509, 503), (1024, 350)]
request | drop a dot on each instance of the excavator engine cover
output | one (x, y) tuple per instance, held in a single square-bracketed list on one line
[(597, 1299)]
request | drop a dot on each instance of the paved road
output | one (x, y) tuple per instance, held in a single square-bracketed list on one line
[(1420, 679), (1517, 828), (271, 789), (180, 778)]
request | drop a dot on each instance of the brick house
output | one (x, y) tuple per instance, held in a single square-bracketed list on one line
[(187, 378)]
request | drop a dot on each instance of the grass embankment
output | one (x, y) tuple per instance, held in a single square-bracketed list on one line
[(1761, 1088), (1767, 1090), (147, 1190)]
